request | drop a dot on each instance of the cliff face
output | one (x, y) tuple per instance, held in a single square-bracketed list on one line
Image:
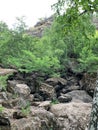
[(38, 29)]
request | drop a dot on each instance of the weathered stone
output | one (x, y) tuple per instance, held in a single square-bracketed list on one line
[(30, 98), (58, 88), (20, 89), (22, 103), (7, 71), (38, 97), (3, 95), (5, 116), (56, 81), (79, 95), (64, 99), (47, 91), (35, 103), (72, 116), (46, 105), (40, 119), (70, 88), (11, 85), (19, 114), (10, 103)]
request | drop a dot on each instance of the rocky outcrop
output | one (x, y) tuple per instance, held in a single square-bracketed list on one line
[(38, 29), (38, 118), (47, 91), (79, 96), (56, 104), (72, 116)]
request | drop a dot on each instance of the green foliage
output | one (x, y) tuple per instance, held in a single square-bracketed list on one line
[(3, 82), (27, 53), (55, 101), (25, 111), (78, 5), (71, 35), (78, 32), (1, 108)]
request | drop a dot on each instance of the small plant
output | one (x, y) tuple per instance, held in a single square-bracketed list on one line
[(1, 109), (15, 95), (54, 101), (3, 82), (26, 110)]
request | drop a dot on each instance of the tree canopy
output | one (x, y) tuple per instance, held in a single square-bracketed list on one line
[(79, 6), (71, 37)]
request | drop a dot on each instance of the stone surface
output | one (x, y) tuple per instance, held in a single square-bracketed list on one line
[(79, 95), (20, 89), (46, 105), (64, 99), (47, 91), (6, 71), (55, 81), (72, 116), (70, 88), (20, 111), (37, 119)]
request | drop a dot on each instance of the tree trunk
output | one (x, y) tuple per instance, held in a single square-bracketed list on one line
[(93, 125)]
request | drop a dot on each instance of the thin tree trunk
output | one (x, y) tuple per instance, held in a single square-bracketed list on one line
[(93, 125)]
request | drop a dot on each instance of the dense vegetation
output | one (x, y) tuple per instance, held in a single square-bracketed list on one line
[(71, 38)]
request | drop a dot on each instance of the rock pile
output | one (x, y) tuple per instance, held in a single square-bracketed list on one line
[(57, 104)]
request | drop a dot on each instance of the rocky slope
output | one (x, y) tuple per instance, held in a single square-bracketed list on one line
[(54, 104)]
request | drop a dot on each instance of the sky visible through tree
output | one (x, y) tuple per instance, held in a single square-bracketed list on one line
[(33, 10)]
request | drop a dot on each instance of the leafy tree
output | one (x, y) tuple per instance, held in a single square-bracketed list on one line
[(77, 7), (88, 57), (75, 23), (27, 53), (5, 36)]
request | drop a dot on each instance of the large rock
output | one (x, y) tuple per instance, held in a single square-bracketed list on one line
[(79, 95), (46, 105), (47, 91), (37, 119), (70, 88), (6, 71), (20, 89), (5, 116), (64, 99), (72, 116), (23, 90), (56, 81)]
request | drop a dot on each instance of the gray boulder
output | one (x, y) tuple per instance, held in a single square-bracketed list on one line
[(72, 116), (79, 95)]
